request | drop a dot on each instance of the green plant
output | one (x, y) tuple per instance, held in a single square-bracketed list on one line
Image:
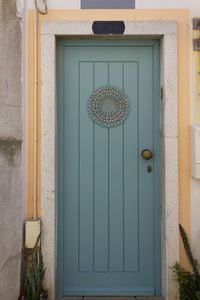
[(34, 276), (189, 282)]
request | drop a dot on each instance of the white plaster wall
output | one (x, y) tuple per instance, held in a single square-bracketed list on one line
[(19, 8), (155, 4), (56, 4)]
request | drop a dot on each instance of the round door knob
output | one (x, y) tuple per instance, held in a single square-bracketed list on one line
[(147, 154)]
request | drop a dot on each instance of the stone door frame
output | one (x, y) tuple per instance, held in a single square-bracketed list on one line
[(166, 32)]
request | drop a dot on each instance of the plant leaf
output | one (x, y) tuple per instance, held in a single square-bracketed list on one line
[(188, 251)]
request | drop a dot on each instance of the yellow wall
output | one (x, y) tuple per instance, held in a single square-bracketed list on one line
[(182, 18)]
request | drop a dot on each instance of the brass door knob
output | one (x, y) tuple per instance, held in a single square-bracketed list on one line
[(147, 154)]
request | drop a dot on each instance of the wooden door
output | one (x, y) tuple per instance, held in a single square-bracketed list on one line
[(108, 194)]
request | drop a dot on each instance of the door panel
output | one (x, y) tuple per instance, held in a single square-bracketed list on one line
[(106, 198), (86, 188)]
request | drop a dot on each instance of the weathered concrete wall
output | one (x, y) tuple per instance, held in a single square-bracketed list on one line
[(11, 209)]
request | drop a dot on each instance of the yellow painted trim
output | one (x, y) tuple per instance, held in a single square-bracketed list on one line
[(39, 125), (31, 62), (31, 93), (183, 21)]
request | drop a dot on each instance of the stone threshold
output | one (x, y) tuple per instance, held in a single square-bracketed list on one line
[(111, 298)]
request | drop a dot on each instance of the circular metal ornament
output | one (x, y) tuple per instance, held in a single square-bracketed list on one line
[(108, 106)]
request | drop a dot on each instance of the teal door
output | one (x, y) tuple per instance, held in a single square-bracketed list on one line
[(108, 194)]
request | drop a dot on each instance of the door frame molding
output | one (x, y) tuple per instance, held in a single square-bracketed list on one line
[(166, 31)]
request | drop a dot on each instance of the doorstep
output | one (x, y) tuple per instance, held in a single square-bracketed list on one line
[(110, 298)]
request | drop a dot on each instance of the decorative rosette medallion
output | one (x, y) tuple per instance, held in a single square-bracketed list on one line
[(108, 106)]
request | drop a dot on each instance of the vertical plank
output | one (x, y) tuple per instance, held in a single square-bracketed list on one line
[(116, 181), (70, 163), (146, 212), (131, 193), (157, 210), (86, 171), (101, 180)]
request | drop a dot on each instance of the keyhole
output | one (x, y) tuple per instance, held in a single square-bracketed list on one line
[(149, 169)]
